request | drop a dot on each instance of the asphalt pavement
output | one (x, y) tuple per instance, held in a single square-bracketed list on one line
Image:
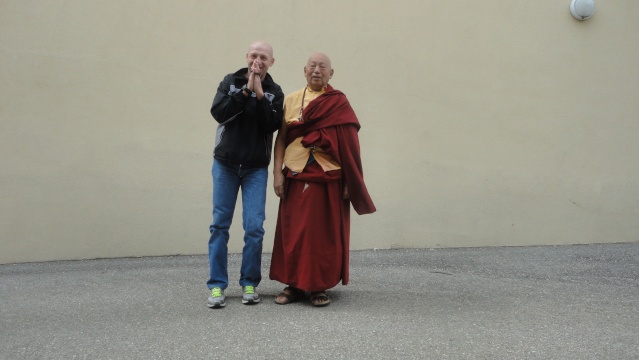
[(542, 302)]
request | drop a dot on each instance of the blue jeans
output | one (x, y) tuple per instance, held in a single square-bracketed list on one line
[(227, 181)]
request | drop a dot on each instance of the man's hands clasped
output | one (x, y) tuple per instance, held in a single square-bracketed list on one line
[(255, 80)]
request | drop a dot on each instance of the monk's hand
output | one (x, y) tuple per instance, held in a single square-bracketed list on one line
[(345, 195), (278, 184)]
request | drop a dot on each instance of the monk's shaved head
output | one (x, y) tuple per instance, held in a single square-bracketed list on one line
[(318, 71)]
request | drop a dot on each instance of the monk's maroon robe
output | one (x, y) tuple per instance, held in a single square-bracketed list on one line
[(311, 246)]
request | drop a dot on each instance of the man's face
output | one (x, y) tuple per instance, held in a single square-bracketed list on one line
[(318, 71), (259, 58)]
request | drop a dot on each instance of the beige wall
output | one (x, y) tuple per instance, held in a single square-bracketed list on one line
[(484, 123)]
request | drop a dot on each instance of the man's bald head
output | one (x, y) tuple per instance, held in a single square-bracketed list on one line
[(263, 46), (260, 54)]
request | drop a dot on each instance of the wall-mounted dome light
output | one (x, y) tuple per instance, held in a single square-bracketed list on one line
[(582, 9)]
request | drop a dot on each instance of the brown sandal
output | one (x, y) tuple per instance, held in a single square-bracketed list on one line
[(289, 295), (319, 299)]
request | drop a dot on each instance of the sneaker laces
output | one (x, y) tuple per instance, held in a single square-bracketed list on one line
[(216, 292), (249, 290)]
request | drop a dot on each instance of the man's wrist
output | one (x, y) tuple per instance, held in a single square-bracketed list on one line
[(246, 90)]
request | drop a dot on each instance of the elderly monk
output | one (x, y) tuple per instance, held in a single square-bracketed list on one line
[(317, 175)]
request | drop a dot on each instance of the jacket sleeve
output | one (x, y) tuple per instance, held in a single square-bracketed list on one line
[(227, 103), (269, 111)]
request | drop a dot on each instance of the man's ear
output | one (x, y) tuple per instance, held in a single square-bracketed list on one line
[(332, 73)]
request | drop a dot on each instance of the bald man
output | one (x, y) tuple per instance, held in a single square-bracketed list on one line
[(248, 110), (317, 176)]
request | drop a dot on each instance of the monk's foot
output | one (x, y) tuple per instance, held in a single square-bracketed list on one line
[(319, 299), (289, 295)]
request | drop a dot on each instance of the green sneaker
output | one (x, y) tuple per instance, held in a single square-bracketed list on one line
[(216, 300), (249, 296)]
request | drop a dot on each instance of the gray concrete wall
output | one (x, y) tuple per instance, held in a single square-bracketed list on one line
[(483, 123)]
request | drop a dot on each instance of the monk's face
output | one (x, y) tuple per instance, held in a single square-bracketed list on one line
[(318, 71)]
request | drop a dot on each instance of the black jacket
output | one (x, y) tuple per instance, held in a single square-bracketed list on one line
[(244, 135)]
